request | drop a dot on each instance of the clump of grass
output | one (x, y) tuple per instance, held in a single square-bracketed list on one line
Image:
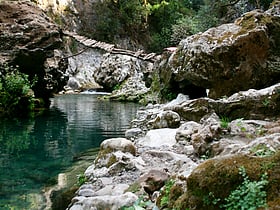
[(224, 122), (81, 179)]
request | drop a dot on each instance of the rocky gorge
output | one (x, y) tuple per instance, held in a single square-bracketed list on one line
[(185, 153), (188, 153)]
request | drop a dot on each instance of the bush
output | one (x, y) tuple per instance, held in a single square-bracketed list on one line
[(183, 28), (16, 96)]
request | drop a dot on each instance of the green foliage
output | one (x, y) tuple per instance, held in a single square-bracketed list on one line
[(117, 87), (156, 24), (266, 102), (206, 156), (250, 195), (160, 40), (211, 199), (224, 122), (81, 179), (19, 139), (106, 23), (166, 192), (240, 124), (183, 28), (206, 18), (139, 204), (162, 16), (117, 18), (262, 150), (16, 96), (168, 94)]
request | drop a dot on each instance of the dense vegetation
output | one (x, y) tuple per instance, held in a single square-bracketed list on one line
[(156, 24), (16, 96)]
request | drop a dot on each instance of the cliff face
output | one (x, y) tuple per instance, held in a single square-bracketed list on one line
[(30, 40)]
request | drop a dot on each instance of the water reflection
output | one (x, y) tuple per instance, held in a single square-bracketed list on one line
[(15, 136), (34, 151)]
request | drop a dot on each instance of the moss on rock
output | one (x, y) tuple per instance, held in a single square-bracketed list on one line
[(217, 178)]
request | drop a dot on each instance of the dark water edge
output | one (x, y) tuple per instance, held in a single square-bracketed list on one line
[(34, 151)]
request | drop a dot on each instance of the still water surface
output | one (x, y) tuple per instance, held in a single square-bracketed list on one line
[(34, 151)]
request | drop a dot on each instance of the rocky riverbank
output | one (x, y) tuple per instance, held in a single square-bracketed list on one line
[(197, 152), (186, 154)]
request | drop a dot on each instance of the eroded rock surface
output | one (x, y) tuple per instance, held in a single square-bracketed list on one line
[(186, 155), (30, 40), (228, 58)]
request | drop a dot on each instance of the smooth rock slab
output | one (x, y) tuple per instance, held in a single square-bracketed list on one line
[(104, 202), (159, 137)]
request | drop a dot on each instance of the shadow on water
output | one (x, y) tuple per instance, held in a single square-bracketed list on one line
[(34, 151)]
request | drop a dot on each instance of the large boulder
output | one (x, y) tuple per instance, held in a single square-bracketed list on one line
[(212, 181), (30, 41), (251, 104), (228, 58), (123, 74)]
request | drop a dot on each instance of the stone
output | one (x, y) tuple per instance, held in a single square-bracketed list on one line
[(179, 99), (226, 146), (262, 146), (115, 69), (114, 190), (113, 202), (251, 104), (228, 58), (96, 172), (30, 40), (210, 175), (133, 133), (118, 144), (159, 137), (186, 130), (153, 180), (165, 119), (209, 131)]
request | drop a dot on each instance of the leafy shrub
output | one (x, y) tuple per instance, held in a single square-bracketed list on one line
[(183, 28), (16, 96)]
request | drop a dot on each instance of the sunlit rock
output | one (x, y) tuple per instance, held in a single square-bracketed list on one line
[(118, 144), (159, 137), (113, 202)]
